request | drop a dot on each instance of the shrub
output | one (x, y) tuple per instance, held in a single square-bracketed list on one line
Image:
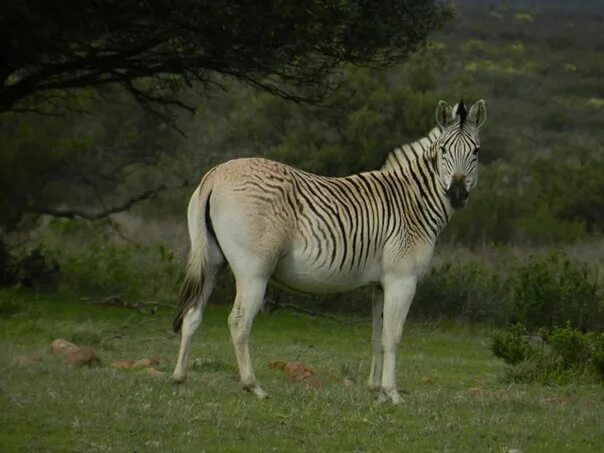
[(33, 267), (9, 302), (556, 120), (128, 269), (468, 291), (547, 291), (560, 356), (569, 346), (552, 290), (511, 346), (595, 341)]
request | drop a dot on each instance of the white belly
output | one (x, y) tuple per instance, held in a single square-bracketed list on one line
[(297, 273)]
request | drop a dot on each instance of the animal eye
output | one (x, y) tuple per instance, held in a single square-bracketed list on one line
[(443, 150), (475, 152)]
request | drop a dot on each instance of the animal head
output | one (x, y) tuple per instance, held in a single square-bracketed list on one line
[(457, 148)]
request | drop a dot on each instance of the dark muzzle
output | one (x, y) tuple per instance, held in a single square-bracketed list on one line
[(457, 193)]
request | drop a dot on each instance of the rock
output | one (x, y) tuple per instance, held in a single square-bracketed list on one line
[(348, 382), (477, 391), (63, 347), (554, 400), (277, 364), (500, 393), (312, 381), (83, 356), (122, 364), (143, 363), (153, 372), (297, 372), (29, 359)]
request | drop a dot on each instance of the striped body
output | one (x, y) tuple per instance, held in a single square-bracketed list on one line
[(328, 234), (316, 234)]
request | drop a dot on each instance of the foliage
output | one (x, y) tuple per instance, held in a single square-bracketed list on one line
[(561, 356), (90, 260), (75, 167), (537, 186), (469, 292), (50, 47), (552, 290), (510, 346), (554, 202), (10, 302), (134, 271), (572, 187), (540, 292)]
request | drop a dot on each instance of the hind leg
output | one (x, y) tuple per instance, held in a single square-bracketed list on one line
[(250, 295), (190, 323), (192, 320)]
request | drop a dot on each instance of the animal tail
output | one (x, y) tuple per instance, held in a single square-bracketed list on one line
[(192, 286)]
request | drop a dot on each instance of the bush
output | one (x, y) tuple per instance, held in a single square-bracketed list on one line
[(469, 292), (595, 342), (552, 290), (10, 302), (561, 356), (570, 347), (547, 291), (127, 269), (511, 346)]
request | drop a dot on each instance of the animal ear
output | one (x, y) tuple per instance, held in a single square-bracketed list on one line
[(478, 113), (444, 114)]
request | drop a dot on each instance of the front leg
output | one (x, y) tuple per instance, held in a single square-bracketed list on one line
[(398, 295), (375, 375)]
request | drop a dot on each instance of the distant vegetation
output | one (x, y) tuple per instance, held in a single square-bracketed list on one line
[(541, 185)]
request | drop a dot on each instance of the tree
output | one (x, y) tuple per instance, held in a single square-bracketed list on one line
[(154, 47), (78, 166), (61, 57)]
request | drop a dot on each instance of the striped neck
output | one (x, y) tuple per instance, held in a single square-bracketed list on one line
[(416, 165), (400, 158)]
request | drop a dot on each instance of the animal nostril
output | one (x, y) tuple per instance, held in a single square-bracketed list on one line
[(458, 177), (457, 193)]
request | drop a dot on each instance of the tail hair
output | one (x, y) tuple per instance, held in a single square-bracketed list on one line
[(192, 286), (189, 293)]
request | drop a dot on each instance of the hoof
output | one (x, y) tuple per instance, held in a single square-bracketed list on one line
[(394, 396), (178, 378), (379, 396), (257, 391), (383, 396)]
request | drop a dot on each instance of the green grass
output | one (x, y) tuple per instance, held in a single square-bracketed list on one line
[(457, 399)]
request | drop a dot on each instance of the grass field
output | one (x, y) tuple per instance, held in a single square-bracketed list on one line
[(457, 399)]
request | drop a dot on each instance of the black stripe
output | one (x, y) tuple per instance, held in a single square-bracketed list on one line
[(314, 207), (344, 208)]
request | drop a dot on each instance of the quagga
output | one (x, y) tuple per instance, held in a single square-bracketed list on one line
[(317, 234)]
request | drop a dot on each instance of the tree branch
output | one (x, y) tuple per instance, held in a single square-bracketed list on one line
[(121, 207), (66, 45)]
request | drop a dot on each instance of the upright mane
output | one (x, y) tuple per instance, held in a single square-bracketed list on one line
[(401, 156)]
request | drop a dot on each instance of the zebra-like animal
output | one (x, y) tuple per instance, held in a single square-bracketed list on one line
[(317, 234)]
